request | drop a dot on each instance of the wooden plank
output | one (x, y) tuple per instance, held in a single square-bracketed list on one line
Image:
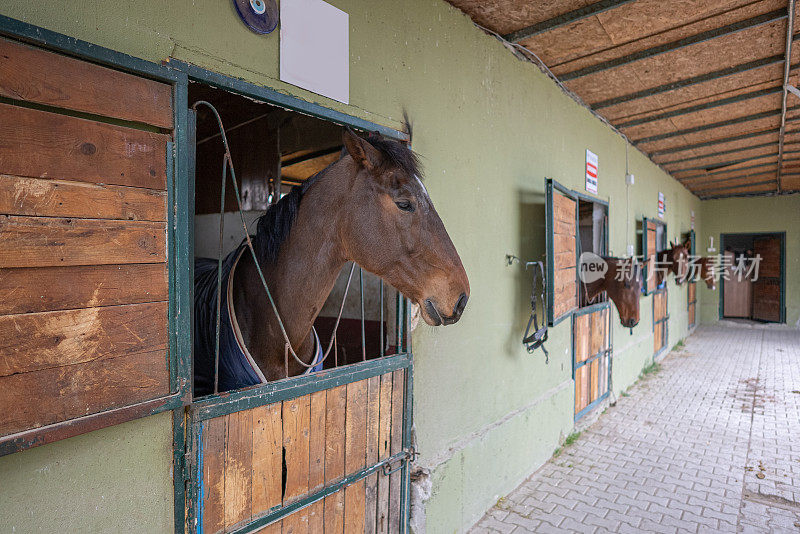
[(39, 341), (296, 429), (384, 448), (563, 243), (395, 481), (239, 468), (581, 334), (267, 478), (35, 75), (355, 455), (336, 403), (49, 242), (273, 528), (564, 228), (40, 144), (39, 289), (316, 461), (578, 388), (564, 260), (769, 248), (62, 198), (598, 332), (564, 281), (213, 451), (373, 431), (50, 395), (563, 208), (593, 380)]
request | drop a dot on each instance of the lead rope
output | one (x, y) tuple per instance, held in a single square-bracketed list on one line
[(227, 163)]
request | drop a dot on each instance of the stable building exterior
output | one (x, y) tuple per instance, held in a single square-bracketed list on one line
[(490, 129)]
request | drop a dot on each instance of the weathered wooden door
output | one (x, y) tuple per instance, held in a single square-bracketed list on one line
[(85, 166), (591, 330), (737, 291), (660, 321), (767, 288)]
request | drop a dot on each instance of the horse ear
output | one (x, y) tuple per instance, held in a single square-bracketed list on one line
[(363, 153), (671, 244)]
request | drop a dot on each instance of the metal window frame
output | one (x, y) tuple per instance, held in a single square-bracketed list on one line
[(178, 363), (609, 352), (551, 186), (189, 431)]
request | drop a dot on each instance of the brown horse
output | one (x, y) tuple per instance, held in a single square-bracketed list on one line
[(706, 268), (369, 207), (675, 260), (622, 280)]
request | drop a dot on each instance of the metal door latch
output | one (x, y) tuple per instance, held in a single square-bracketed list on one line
[(409, 455)]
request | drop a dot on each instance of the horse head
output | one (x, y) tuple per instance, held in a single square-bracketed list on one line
[(393, 230), (621, 279), (676, 261), (708, 272), (624, 287)]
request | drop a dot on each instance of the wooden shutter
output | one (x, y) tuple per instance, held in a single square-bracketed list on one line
[(83, 241), (767, 288), (561, 228)]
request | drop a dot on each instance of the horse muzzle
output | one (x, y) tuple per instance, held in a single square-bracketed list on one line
[(436, 318)]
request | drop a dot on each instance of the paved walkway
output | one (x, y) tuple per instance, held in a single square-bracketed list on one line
[(710, 442)]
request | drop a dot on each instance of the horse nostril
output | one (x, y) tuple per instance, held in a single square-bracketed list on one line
[(460, 305)]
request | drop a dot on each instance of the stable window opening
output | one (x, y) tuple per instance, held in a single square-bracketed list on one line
[(273, 150)]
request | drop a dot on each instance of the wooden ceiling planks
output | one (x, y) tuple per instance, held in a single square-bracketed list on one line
[(695, 84)]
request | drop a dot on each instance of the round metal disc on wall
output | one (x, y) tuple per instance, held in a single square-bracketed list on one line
[(261, 16)]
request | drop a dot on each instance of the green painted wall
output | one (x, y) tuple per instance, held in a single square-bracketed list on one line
[(758, 214), (113, 480), (489, 128)]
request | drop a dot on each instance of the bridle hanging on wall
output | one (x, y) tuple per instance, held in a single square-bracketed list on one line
[(534, 340)]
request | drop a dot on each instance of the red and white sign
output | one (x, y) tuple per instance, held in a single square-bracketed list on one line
[(591, 171), (661, 204)]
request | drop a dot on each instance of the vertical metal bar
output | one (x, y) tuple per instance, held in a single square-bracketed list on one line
[(786, 69), (363, 333), (381, 322), (398, 319)]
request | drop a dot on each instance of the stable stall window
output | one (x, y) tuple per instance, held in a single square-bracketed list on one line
[(274, 150)]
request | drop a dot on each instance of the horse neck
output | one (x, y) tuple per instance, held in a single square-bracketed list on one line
[(300, 281), (595, 288)]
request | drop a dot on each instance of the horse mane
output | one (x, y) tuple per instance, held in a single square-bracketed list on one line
[(273, 228), (396, 154)]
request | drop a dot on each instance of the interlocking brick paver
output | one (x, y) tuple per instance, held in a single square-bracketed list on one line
[(682, 452)]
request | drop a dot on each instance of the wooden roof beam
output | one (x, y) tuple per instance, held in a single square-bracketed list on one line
[(564, 19), (676, 45), (786, 69), (702, 107), (716, 142), (707, 77), (711, 126)]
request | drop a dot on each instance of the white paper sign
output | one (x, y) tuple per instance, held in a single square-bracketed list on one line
[(591, 171), (661, 205), (315, 48)]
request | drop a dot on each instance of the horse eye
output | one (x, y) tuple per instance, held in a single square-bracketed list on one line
[(405, 205)]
